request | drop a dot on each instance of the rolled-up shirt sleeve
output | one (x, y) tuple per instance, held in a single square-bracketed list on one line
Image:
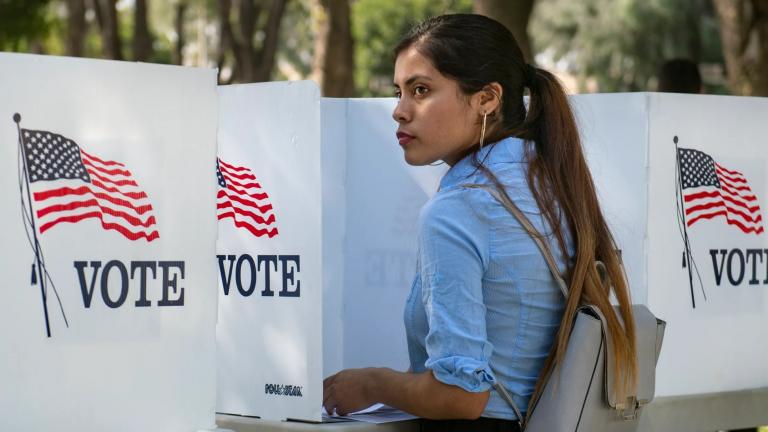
[(453, 255)]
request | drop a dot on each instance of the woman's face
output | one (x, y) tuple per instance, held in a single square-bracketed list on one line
[(436, 121)]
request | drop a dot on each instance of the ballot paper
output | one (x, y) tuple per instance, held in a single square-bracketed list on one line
[(377, 414)]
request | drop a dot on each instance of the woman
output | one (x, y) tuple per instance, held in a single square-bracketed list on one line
[(484, 309)]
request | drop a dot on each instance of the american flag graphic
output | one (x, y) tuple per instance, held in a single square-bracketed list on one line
[(69, 185), (710, 190), (241, 198)]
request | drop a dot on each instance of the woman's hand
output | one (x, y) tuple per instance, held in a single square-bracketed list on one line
[(348, 391)]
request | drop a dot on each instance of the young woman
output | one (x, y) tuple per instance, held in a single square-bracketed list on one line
[(484, 309)]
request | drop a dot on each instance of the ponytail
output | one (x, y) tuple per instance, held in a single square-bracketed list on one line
[(560, 181)]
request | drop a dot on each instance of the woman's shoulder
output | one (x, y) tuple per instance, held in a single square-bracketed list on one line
[(458, 203)]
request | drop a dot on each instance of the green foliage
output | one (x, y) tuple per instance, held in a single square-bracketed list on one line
[(622, 43), (378, 25), (23, 23)]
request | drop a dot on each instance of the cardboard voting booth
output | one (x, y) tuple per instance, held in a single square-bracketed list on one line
[(335, 208), (376, 252), (107, 316), (683, 195), (682, 181), (269, 251), (121, 310)]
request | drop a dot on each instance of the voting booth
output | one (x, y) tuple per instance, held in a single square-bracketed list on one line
[(316, 246), (154, 277), (683, 194), (107, 312), (269, 251), (682, 182)]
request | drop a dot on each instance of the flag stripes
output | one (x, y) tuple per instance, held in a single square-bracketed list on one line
[(711, 190), (80, 186), (241, 199)]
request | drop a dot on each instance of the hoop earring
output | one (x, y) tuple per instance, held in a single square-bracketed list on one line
[(436, 164), (482, 131)]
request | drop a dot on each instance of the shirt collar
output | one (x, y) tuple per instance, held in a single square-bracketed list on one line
[(509, 149)]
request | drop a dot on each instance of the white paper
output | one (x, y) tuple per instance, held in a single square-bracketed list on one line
[(376, 413)]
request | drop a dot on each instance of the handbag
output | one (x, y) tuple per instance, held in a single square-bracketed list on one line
[(580, 397)]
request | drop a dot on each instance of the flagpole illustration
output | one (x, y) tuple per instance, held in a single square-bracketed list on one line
[(681, 212), (36, 272)]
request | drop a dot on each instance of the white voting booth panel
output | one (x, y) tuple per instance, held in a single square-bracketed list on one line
[(269, 328), (720, 345), (107, 306), (350, 200), (383, 196), (371, 199), (716, 338)]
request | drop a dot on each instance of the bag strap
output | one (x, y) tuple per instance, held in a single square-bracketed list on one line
[(504, 200), (508, 398)]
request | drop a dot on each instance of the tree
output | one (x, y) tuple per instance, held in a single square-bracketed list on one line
[(142, 38), (621, 45), (107, 19), (254, 58), (178, 26), (377, 26), (76, 28), (334, 50), (744, 34), (514, 14), (22, 23)]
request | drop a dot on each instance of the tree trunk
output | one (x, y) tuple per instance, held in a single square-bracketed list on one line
[(106, 16), (246, 55), (142, 38), (268, 52), (514, 14), (334, 63), (251, 64), (761, 24), (226, 38), (178, 49), (96, 6), (75, 27), (744, 35)]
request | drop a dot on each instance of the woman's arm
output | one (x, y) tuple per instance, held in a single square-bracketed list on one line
[(419, 394)]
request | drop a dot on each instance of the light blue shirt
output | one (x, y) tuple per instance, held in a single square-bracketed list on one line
[(484, 306)]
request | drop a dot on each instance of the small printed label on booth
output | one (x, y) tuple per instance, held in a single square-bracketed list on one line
[(283, 390)]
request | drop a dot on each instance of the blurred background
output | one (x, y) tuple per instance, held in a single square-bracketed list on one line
[(719, 46)]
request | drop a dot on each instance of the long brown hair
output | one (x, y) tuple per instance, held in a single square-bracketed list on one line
[(477, 51)]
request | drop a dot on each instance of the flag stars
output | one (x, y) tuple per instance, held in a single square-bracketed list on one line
[(53, 157), (697, 169)]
